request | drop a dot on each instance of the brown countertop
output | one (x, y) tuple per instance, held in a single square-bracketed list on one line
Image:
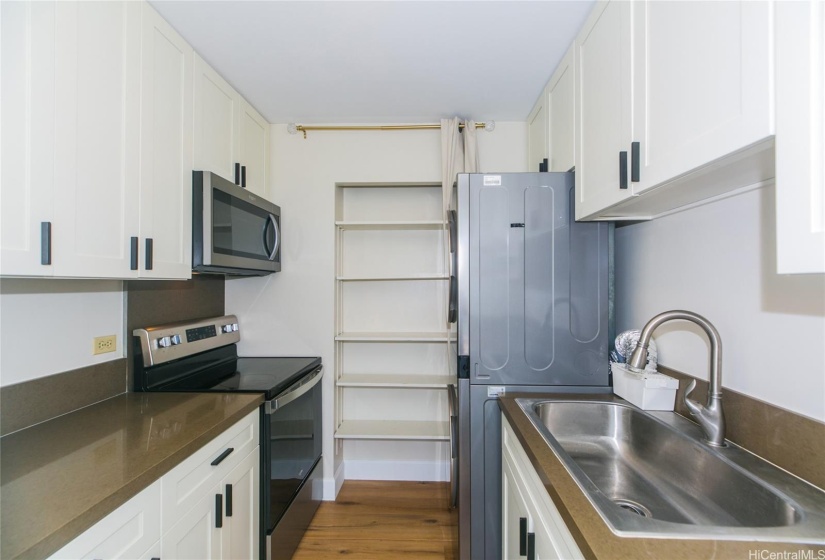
[(60, 477), (593, 536)]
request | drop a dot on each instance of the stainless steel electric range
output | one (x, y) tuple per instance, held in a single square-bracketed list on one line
[(201, 356)]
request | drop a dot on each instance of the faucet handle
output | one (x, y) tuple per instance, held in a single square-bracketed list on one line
[(691, 386), (695, 408)]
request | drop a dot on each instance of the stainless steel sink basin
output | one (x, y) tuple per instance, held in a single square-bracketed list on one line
[(648, 474)]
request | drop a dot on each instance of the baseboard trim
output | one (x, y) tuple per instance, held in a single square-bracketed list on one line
[(333, 485), (418, 471)]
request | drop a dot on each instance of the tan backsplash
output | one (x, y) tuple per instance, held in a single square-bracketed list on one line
[(153, 303), (148, 303), (788, 440), (31, 402)]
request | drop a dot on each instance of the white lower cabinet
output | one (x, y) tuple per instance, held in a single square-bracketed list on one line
[(196, 535), (125, 533), (206, 508), (241, 502), (532, 527), (223, 524)]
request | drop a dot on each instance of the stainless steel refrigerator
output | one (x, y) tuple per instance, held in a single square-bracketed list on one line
[(530, 292)]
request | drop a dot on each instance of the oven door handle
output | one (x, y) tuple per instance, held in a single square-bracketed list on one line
[(297, 390)]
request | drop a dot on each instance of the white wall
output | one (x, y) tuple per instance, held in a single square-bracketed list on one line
[(719, 260), (292, 312), (47, 326)]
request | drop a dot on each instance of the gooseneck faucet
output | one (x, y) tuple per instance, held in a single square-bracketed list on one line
[(710, 416)]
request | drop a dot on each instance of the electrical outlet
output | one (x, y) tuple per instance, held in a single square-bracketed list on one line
[(104, 344)]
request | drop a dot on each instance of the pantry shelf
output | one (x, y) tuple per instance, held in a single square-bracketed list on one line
[(401, 381), (393, 430)]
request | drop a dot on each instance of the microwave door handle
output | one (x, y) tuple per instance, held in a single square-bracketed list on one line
[(270, 219)]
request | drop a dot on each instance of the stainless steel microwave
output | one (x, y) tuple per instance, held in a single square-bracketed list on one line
[(233, 230)]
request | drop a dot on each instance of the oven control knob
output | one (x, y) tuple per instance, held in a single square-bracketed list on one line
[(234, 327), (226, 328), (165, 342), (175, 339)]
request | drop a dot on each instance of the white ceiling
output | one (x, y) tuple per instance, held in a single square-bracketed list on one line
[(385, 61)]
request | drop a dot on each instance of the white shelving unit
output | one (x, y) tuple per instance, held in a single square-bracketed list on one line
[(391, 339)]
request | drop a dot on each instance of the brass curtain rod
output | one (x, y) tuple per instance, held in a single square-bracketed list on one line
[(293, 128)]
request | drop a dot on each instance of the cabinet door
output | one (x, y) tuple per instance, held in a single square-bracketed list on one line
[(27, 134), (560, 114), (241, 491), (184, 485), (537, 135), (603, 103), (254, 153), (124, 533), (152, 553), (217, 114), (800, 137), (166, 150), (196, 535), (552, 538), (97, 109), (515, 518), (703, 83)]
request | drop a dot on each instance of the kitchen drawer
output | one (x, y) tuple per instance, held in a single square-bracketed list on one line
[(186, 484), (125, 533)]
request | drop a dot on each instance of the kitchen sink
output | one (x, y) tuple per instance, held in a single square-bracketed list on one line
[(649, 474)]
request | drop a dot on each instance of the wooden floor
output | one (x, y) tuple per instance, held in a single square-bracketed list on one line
[(373, 519)]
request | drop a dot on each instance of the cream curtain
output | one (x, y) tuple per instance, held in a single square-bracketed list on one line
[(459, 154)]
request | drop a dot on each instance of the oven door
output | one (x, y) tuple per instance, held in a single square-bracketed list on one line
[(292, 444)]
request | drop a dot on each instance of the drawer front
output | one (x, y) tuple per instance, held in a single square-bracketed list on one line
[(125, 533), (184, 486)]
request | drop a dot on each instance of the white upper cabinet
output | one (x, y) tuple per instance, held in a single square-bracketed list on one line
[(26, 135), (537, 135), (165, 150), (217, 111), (603, 103), (96, 158), (800, 136), (702, 84), (254, 149), (669, 95), (561, 104), (97, 105), (231, 138)]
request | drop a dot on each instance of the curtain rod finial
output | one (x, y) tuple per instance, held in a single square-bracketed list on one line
[(489, 126), (293, 128)]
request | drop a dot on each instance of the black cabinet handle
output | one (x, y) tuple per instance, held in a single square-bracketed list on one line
[(45, 243), (149, 253), (635, 164), (222, 456), (622, 170), (218, 511), (522, 536), (229, 500), (243, 176), (238, 174), (531, 546), (133, 264), (155, 558)]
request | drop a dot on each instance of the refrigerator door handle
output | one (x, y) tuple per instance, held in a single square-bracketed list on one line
[(452, 398)]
